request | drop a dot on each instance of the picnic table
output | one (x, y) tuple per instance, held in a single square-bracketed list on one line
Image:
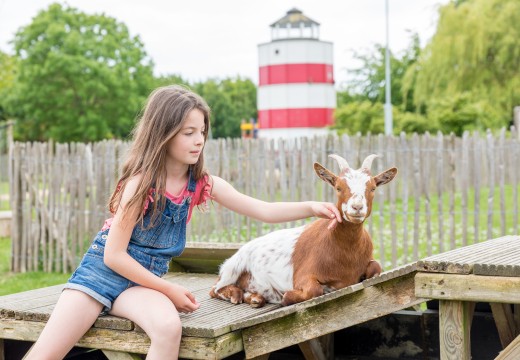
[(219, 329), (482, 272)]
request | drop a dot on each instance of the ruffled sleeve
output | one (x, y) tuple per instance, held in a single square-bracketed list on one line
[(201, 196)]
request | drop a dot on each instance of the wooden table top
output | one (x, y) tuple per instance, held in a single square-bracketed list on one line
[(496, 257)]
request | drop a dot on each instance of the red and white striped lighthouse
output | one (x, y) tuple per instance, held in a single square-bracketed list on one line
[(296, 95)]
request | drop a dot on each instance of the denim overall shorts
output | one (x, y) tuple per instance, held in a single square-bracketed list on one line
[(153, 247)]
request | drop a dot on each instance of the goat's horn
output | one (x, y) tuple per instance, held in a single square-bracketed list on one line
[(343, 164), (367, 163)]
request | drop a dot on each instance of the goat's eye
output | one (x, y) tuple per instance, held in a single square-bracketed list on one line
[(338, 188), (373, 189)]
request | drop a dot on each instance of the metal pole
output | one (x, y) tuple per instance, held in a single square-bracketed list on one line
[(388, 100)]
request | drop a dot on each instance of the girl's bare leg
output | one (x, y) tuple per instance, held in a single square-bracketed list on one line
[(156, 315), (74, 314)]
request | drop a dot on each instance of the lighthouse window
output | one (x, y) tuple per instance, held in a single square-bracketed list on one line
[(277, 52)]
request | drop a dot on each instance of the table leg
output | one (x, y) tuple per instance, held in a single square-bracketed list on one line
[(454, 329), (503, 315)]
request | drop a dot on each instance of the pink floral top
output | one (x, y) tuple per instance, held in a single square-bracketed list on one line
[(200, 197)]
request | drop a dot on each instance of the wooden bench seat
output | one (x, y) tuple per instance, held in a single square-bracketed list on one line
[(219, 329)]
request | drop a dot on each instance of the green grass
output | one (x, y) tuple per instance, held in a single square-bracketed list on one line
[(11, 283)]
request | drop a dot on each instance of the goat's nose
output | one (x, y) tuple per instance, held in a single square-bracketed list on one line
[(357, 206)]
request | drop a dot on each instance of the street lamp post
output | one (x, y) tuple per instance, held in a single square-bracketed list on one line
[(388, 101)]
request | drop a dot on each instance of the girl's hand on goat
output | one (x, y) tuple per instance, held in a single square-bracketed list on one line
[(182, 298), (327, 210)]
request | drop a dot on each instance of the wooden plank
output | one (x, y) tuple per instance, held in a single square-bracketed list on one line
[(477, 160), (129, 341), (404, 179), (465, 176), (330, 316), (452, 187), (312, 350), (491, 182), (501, 173), (468, 287), (425, 162), (503, 315), (504, 250), (440, 189), (454, 330), (118, 355), (511, 352), (416, 170), (261, 357)]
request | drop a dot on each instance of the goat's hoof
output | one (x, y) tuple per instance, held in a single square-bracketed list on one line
[(235, 300), (257, 303)]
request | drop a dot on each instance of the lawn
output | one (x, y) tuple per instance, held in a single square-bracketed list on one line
[(12, 283)]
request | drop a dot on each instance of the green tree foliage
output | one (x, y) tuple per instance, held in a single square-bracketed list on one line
[(81, 77), (368, 117), (461, 112), (165, 80), (359, 116), (368, 81), (472, 63), (231, 100), (8, 69), (360, 105)]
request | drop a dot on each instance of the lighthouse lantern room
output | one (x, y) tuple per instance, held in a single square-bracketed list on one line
[(296, 96)]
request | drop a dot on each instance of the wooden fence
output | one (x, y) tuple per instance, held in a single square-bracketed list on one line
[(450, 191), (6, 137)]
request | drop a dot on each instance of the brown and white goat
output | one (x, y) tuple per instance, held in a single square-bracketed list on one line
[(293, 265)]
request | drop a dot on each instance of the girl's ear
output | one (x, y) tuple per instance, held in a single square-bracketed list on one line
[(385, 177), (325, 174)]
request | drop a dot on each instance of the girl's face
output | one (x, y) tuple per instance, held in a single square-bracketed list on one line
[(187, 145)]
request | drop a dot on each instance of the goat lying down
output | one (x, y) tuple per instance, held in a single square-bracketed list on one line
[(293, 265)]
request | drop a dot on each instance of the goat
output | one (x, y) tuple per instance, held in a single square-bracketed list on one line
[(293, 265)]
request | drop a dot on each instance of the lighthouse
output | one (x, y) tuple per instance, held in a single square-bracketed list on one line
[(296, 95)]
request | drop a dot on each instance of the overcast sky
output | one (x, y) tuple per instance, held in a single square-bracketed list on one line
[(218, 38)]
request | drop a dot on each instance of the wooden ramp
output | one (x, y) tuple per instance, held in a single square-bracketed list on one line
[(219, 329)]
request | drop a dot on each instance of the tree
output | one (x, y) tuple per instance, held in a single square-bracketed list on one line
[(81, 77), (8, 69), (475, 52), (360, 105), (359, 116), (230, 100), (368, 81)]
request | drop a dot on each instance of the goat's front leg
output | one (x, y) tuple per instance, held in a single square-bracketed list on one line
[(373, 269), (310, 288), (254, 299), (231, 293)]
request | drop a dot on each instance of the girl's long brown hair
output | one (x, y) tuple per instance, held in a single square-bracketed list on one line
[(163, 116)]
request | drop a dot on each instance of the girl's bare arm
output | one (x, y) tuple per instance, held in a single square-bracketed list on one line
[(270, 212)]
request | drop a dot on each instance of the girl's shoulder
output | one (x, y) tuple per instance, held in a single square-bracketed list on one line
[(129, 187), (203, 189)]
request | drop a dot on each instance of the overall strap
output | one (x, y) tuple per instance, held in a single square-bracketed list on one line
[(192, 183)]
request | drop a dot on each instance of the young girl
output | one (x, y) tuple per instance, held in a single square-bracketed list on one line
[(163, 179)]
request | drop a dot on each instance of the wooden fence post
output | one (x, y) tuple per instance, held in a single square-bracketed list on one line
[(516, 117)]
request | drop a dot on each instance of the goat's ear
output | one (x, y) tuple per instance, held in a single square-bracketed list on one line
[(325, 174), (385, 177)]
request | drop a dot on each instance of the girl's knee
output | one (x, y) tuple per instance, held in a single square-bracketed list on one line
[(166, 328)]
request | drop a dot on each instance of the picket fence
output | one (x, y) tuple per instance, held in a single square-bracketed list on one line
[(450, 191)]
